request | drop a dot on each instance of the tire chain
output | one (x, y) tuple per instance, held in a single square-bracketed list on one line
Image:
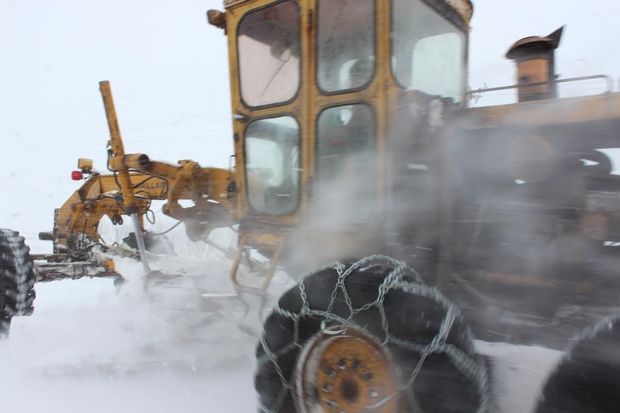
[(400, 277)]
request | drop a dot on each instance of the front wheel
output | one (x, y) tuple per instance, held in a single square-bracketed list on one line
[(17, 279), (368, 336)]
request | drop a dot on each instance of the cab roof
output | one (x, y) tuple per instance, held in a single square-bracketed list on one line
[(464, 8)]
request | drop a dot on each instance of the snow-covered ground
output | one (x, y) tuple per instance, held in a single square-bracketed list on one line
[(91, 347), (87, 349)]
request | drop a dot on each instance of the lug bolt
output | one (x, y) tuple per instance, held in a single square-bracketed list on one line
[(328, 370)]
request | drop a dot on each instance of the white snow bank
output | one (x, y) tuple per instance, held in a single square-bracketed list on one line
[(91, 347)]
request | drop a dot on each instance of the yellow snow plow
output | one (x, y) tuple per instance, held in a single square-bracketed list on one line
[(432, 223)]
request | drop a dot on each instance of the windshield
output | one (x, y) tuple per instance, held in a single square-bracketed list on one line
[(272, 165), (428, 50), (268, 42)]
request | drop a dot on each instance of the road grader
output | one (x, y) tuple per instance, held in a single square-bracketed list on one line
[(355, 144)]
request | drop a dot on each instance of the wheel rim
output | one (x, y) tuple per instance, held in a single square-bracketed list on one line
[(346, 371)]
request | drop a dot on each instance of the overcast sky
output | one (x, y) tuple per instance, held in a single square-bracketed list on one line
[(166, 65), (169, 75)]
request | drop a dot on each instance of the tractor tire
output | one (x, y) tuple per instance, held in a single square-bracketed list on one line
[(392, 328), (17, 279), (587, 379)]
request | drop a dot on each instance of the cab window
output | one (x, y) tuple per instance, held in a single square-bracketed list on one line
[(272, 165), (346, 172), (269, 54), (345, 137), (346, 51), (428, 50)]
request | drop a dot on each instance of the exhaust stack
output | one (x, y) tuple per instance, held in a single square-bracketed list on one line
[(535, 59)]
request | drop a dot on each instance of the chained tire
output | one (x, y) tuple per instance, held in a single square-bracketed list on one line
[(368, 336), (587, 379), (17, 279)]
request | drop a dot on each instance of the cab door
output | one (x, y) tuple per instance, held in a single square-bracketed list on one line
[(346, 109), (268, 70)]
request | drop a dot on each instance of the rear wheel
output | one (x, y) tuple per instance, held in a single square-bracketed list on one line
[(368, 336), (17, 279), (587, 380)]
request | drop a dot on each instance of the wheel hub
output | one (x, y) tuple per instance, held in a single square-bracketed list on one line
[(346, 373)]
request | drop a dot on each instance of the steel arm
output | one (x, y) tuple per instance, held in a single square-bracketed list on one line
[(136, 180)]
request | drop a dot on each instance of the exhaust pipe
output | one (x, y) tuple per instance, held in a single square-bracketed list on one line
[(535, 59)]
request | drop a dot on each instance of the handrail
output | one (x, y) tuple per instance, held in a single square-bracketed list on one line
[(610, 84)]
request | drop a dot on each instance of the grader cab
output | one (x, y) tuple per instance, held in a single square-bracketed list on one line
[(320, 96), (353, 138)]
